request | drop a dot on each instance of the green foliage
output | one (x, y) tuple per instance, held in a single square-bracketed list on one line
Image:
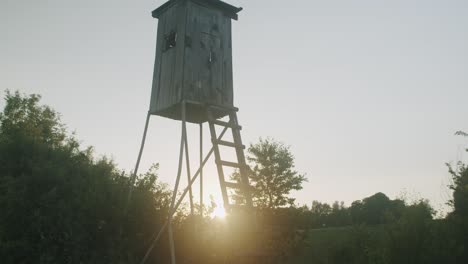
[(460, 190), (24, 119), (376, 209), (410, 239), (459, 217), (325, 215), (273, 175), (59, 204), (406, 239), (334, 245)]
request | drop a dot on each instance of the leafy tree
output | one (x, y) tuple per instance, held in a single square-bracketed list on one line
[(462, 133), (319, 212), (407, 238), (59, 204), (340, 215), (459, 202), (460, 190), (273, 175), (460, 187), (320, 209), (376, 209), (24, 118)]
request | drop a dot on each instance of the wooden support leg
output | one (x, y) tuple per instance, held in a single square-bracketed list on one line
[(134, 176), (176, 187), (137, 165), (187, 160), (173, 209), (201, 170)]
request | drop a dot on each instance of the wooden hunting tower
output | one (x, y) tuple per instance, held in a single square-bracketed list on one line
[(193, 82), (193, 58)]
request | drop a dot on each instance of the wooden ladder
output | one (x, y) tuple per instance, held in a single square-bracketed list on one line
[(241, 165)]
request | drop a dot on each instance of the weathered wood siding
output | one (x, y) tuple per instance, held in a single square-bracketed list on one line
[(208, 57), (168, 69), (199, 67)]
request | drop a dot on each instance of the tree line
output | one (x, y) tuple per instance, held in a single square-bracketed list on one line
[(61, 204)]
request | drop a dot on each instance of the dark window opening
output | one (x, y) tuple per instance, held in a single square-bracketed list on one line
[(170, 40)]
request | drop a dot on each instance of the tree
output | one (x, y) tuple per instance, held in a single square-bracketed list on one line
[(376, 209), (319, 214), (459, 202), (272, 174), (61, 205), (460, 190), (459, 186)]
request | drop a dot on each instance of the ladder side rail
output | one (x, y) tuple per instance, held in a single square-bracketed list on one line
[(244, 170), (217, 154)]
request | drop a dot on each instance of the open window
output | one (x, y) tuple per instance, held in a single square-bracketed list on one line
[(170, 40)]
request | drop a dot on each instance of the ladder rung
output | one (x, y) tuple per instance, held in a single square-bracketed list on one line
[(229, 164), (226, 124), (230, 144), (232, 185)]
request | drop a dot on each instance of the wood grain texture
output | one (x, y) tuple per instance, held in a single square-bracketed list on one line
[(199, 67)]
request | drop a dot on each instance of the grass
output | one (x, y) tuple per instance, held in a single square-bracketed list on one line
[(334, 245)]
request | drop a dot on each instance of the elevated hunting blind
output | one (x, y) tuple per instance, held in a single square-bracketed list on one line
[(193, 58), (193, 82)]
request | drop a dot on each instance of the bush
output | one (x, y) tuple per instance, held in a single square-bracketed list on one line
[(61, 205)]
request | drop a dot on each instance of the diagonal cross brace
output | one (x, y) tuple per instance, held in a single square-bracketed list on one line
[(186, 190)]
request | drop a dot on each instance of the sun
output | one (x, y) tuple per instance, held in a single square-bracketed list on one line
[(219, 211)]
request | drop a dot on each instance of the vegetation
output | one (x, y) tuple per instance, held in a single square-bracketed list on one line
[(385, 231), (60, 204), (272, 174)]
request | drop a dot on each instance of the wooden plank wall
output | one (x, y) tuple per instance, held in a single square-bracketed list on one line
[(168, 92), (199, 68), (190, 84), (227, 72), (205, 80), (168, 71), (157, 67)]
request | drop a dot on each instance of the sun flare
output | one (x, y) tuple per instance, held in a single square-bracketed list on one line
[(218, 212)]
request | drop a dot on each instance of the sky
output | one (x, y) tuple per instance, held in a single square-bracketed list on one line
[(367, 93)]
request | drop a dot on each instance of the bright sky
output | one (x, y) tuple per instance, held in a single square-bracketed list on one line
[(367, 93)]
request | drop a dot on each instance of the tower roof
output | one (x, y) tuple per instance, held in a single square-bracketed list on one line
[(229, 10)]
